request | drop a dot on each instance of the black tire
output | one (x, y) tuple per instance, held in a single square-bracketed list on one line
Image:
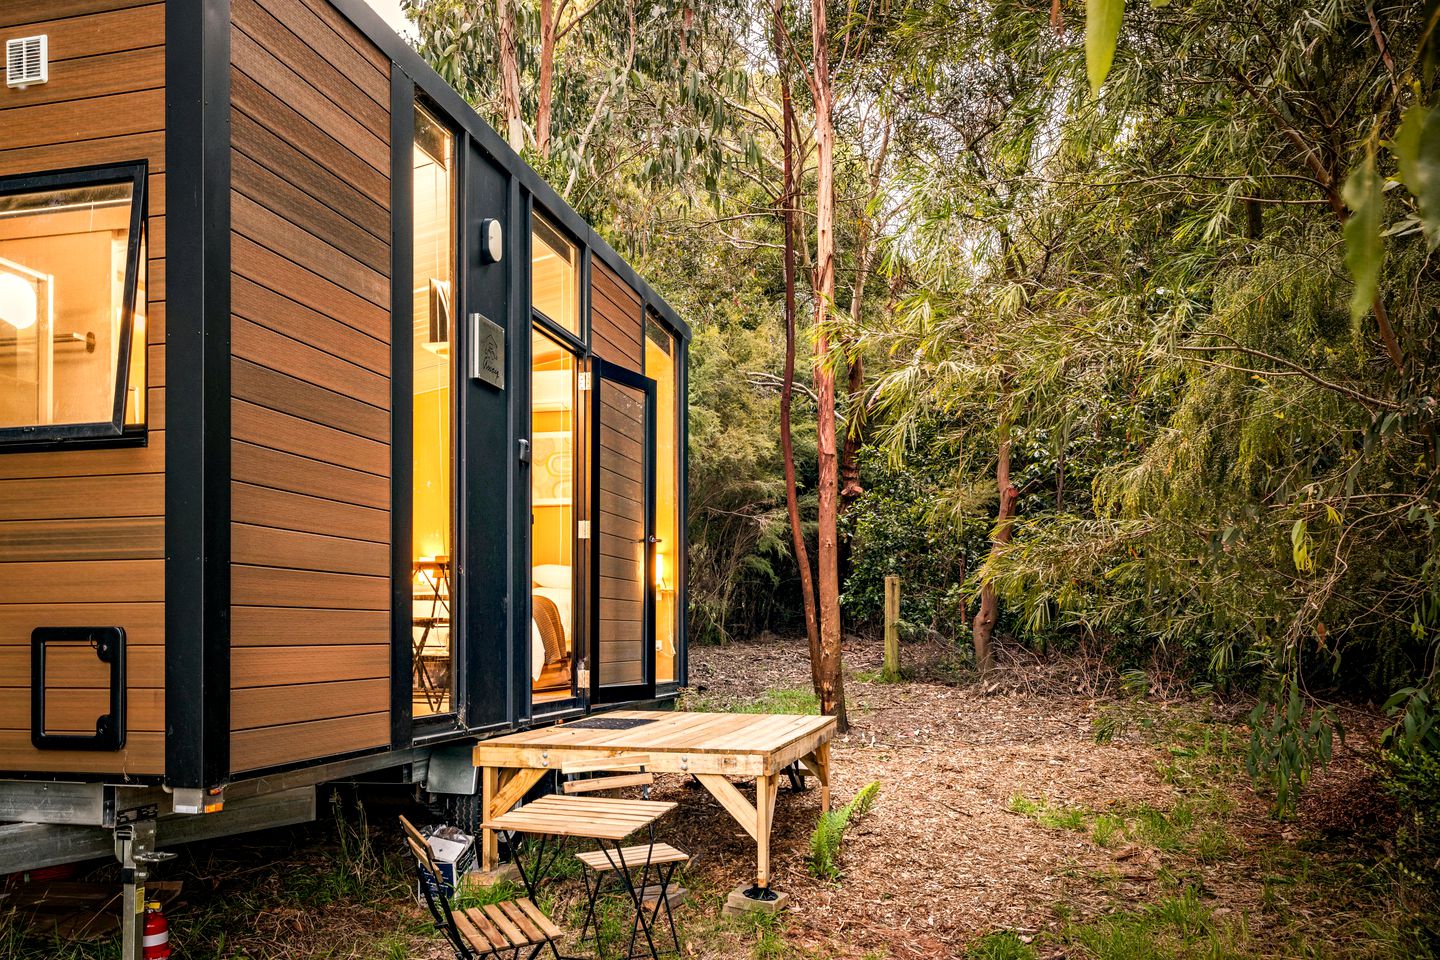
[(459, 810)]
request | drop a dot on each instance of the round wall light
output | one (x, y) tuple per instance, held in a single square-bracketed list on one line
[(492, 241)]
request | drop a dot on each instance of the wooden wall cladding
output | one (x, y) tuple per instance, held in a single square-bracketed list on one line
[(82, 532), (617, 319), (310, 384), (621, 533)]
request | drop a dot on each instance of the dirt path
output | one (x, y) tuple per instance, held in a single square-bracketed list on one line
[(943, 859)]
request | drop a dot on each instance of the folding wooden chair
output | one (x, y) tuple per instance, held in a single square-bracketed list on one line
[(618, 773), (502, 930)]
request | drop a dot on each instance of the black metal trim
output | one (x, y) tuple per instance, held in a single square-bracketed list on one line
[(100, 433), (197, 449), (402, 382), (109, 646), (601, 371), (682, 526), (518, 707), (579, 571)]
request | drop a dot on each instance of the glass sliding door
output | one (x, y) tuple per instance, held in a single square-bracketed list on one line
[(554, 483), (660, 366), (623, 508), (433, 644)]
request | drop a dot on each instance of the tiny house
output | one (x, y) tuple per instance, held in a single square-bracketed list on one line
[(331, 438)]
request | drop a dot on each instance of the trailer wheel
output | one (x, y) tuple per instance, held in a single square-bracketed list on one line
[(459, 809)]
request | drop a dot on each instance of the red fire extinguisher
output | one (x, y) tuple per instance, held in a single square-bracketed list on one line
[(157, 933)]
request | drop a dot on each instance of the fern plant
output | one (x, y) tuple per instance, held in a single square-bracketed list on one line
[(830, 832)]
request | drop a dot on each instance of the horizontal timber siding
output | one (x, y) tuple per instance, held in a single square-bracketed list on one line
[(310, 384), (617, 330), (621, 533), (82, 532)]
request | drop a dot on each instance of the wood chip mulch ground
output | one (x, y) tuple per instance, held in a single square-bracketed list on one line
[(941, 859)]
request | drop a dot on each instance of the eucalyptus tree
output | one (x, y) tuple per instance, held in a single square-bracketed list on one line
[(597, 93), (1166, 256)]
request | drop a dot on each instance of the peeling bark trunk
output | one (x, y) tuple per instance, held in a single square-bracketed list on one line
[(984, 627), (832, 679), (788, 198), (549, 27), (510, 78)]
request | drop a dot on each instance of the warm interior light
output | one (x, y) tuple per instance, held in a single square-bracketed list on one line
[(660, 570), (19, 301)]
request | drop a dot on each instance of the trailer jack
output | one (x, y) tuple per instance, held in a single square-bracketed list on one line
[(135, 849)]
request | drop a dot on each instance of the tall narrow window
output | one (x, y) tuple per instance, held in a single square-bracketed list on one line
[(660, 366), (72, 297), (433, 378), (554, 275), (553, 478)]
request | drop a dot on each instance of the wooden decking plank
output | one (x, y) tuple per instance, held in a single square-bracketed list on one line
[(677, 739), (754, 735), (709, 733)]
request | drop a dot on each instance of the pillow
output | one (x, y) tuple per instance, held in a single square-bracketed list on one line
[(555, 576)]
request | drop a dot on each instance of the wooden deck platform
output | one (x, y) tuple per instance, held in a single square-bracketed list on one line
[(711, 746)]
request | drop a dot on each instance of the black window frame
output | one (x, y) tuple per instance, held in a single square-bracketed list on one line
[(99, 433), (428, 726), (578, 338)]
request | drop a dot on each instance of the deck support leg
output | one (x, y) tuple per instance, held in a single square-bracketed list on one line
[(489, 841), (501, 789), (822, 772), (764, 818)]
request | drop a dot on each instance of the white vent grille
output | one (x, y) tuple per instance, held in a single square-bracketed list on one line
[(26, 61)]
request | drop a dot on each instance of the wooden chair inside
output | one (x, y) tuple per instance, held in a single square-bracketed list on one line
[(510, 930)]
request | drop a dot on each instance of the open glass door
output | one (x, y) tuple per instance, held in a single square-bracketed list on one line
[(622, 535)]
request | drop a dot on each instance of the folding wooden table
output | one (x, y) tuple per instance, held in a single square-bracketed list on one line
[(606, 820)]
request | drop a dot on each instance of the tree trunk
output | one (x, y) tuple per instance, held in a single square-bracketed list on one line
[(788, 198), (510, 78), (832, 678), (548, 29), (984, 627), (850, 486)]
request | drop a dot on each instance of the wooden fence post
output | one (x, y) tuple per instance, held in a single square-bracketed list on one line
[(891, 671)]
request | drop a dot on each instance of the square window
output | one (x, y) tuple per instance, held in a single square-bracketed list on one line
[(72, 299), (554, 275)]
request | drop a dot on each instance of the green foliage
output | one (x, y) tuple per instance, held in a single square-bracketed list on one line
[(1364, 247), (1287, 742), (830, 832), (1102, 31), (1411, 776), (911, 521)]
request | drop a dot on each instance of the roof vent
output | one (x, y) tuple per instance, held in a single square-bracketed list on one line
[(27, 61)]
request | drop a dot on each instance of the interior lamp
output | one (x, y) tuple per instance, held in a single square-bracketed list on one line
[(19, 301), (659, 570)]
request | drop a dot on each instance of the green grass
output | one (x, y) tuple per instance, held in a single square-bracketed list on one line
[(1000, 945), (1049, 815), (796, 700)]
